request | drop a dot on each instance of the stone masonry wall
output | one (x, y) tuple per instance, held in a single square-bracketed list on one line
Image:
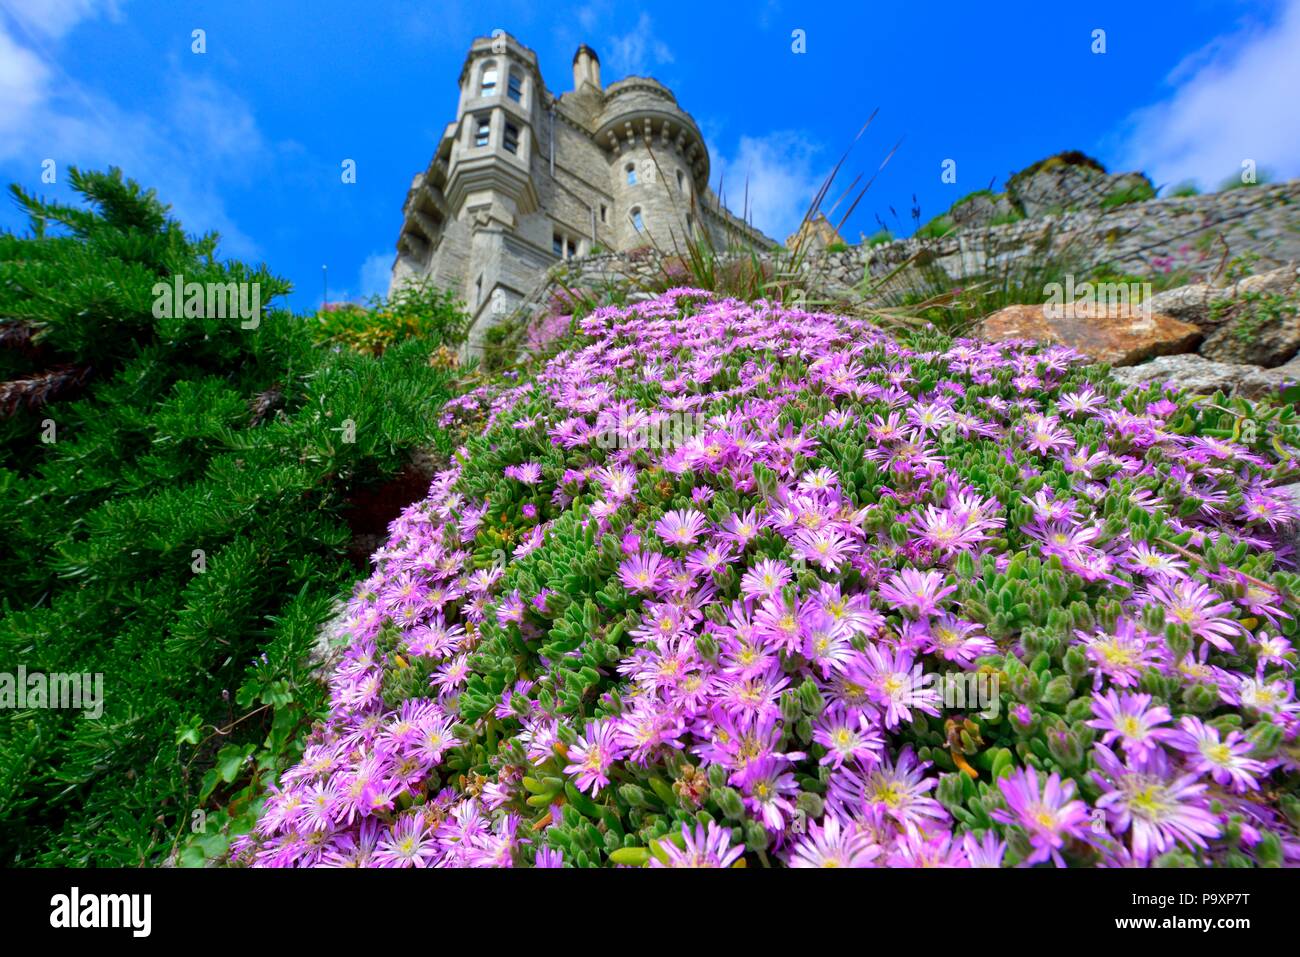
[(1143, 238)]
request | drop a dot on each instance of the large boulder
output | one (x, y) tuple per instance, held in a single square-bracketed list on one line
[(1258, 321), (1196, 303), (983, 209), (1072, 181), (1200, 375), (1118, 334)]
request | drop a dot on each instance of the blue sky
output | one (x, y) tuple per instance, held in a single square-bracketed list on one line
[(248, 138)]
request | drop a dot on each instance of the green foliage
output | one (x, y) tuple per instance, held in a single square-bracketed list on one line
[(1123, 196), (174, 519), (1185, 190), (1235, 181), (417, 310), (1065, 158), (919, 291), (939, 226), (1254, 312), (743, 269), (969, 197)]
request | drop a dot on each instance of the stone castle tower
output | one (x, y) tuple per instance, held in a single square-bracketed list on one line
[(523, 179)]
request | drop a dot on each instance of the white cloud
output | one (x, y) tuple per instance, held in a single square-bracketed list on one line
[(636, 52), (1232, 100), (198, 138), (588, 15), (24, 83), (375, 271), (54, 18), (776, 175)]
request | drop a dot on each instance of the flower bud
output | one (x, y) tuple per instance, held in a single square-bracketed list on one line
[(634, 795), (730, 802), (1065, 747), (790, 708), (1058, 691), (717, 776), (811, 804), (1265, 738), (756, 836), (1076, 662), (1199, 699)]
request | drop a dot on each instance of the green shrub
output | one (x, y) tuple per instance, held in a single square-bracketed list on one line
[(1262, 178), (417, 310), (939, 226), (1139, 193), (173, 496)]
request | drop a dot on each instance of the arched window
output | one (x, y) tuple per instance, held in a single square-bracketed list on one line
[(511, 139), (515, 86), (487, 85), (631, 174), (482, 130), (636, 219)]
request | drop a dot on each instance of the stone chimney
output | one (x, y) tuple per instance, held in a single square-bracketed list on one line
[(586, 68)]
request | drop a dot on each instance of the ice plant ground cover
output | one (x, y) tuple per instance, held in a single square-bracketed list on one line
[(585, 648)]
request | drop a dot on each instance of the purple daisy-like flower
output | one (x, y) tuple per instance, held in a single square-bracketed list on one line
[(1193, 604), (826, 547), (1048, 814), (1121, 657), (408, 844), (917, 848), (766, 785), (681, 527), (1158, 809), (1226, 760), (987, 851), (530, 473), (643, 572), (592, 756), (847, 736), (832, 844), (741, 529), (897, 788), (706, 846), (766, 577), (918, 593), (1132, 719), (895, 682)]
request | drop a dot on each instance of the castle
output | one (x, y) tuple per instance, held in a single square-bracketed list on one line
[(524, 179)]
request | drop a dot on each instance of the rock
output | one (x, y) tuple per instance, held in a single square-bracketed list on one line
[(1197, 374), (1057, 184), (1265, 382), (814, 235), (1258, 321), (1195, 303), (1189, 371), (1118, 334), (982, 209), (1072, 181)]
